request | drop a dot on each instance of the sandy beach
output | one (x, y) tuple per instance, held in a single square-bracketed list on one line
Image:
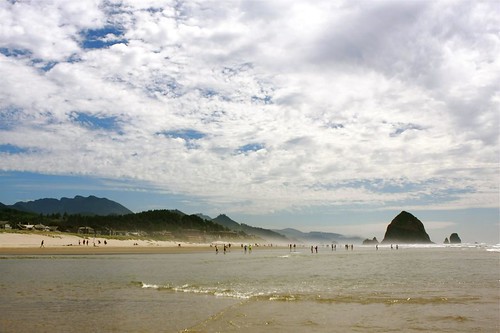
[(59, 243)]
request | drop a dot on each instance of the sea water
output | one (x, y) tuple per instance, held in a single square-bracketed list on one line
[(412, 289)]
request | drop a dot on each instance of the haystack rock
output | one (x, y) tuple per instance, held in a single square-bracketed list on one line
[(446, 241), (454, 239), (406, 228)]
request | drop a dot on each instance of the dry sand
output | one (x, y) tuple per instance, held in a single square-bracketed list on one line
[(60, 243)]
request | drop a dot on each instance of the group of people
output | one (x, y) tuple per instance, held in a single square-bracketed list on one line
[(225, 248), (292, 247), (86, 242)]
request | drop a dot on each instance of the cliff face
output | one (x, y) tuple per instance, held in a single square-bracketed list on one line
[(406, 228)]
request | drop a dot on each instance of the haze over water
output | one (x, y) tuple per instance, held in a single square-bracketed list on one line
[(413, 289)]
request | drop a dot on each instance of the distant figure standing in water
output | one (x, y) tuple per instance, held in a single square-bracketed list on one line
[(316, 248), (216, 250), (312, 249)]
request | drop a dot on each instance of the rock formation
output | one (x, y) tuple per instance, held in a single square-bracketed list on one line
[(370, 241), (406, 228), (454, 239), (446, 241)]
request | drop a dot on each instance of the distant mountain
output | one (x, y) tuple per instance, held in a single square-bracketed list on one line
[(267, 234), (204, 217), (2, 205), (227, 222), (317, 236), (78, 205)]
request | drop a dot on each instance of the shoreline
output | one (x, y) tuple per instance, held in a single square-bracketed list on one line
[(58, 243), (30, 243), (91, 250)]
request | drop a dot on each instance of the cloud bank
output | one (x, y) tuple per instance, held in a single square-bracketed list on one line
[(258, 106)]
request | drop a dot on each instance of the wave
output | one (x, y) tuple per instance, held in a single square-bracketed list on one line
[(306, 297), (494, 248), (186, 288), (484, 246)]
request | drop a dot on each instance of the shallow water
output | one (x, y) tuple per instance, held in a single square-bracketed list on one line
[(438, 289)]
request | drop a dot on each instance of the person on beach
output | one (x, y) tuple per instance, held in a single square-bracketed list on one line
[(316, 248), (312, 249), (216, 250), (41, 245)]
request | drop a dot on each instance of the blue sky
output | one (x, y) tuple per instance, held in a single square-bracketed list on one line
[(329, 116)]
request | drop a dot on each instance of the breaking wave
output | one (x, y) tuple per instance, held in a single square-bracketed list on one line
[(287, 297)]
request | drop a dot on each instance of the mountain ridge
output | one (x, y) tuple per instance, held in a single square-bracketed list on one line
[(267, 234), (90, 205), (93, 205), (316, 236)]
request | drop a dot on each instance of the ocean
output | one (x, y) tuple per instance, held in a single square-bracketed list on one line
[(412, 289)]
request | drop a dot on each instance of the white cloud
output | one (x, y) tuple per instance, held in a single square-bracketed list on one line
[(337, 96)]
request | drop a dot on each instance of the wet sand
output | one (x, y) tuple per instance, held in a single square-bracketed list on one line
[(87, 250)]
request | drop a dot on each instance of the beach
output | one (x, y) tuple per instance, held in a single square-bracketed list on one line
[(60, 243), (161, 287)]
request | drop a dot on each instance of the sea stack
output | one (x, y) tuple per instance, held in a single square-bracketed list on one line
[(406, 228), (370, 241), (454, 239)]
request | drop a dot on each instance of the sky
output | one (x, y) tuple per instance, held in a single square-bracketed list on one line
[(317, 115)]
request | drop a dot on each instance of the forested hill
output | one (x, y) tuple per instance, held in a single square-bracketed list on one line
[(149, 221), (90, 205)]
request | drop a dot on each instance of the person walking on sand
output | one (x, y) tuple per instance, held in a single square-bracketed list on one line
[(41, 245)]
